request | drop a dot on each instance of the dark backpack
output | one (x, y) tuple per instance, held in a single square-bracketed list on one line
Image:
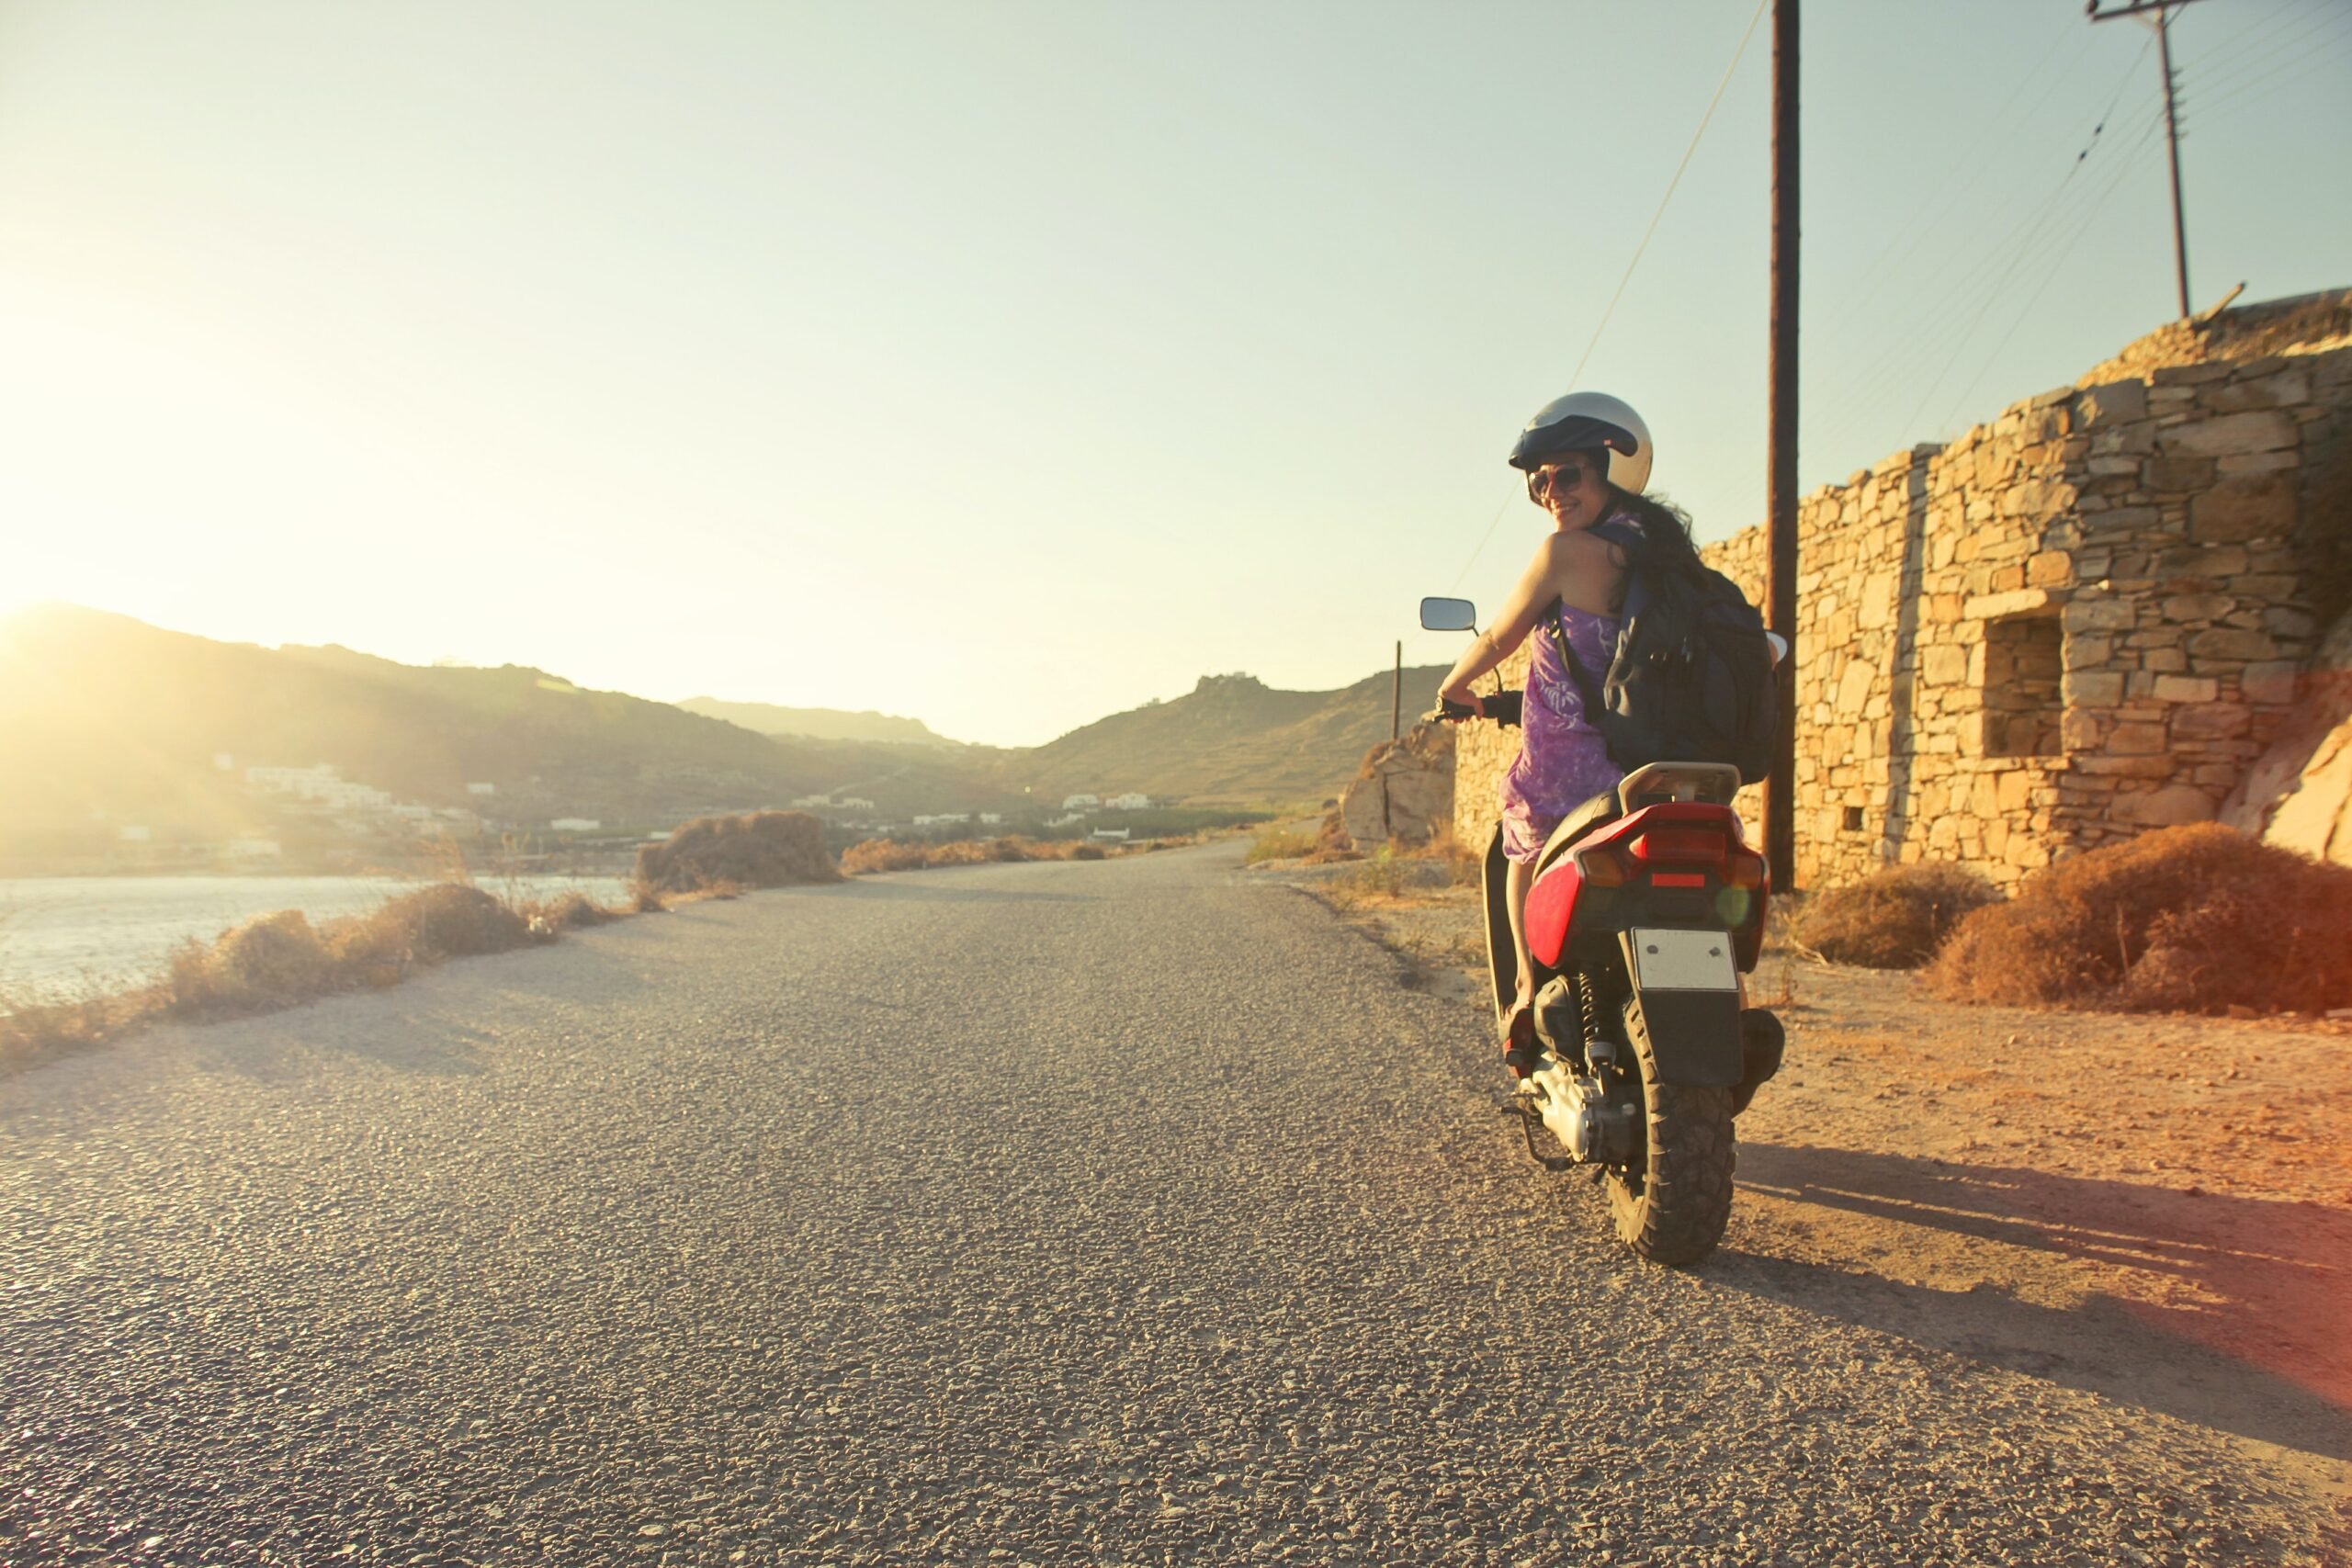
[(1692, 678)]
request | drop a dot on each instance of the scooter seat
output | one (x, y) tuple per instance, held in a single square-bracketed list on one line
[(1597, 812)]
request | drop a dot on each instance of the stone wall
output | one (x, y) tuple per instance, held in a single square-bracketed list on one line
[(2083, 619)]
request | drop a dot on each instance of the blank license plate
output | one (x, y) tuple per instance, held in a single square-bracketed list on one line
[(1684, 961)]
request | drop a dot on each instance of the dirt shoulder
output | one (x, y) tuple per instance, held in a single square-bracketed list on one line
[(2155, 1208)]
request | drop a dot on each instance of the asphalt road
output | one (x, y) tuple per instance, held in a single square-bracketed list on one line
[(1123, 1213)]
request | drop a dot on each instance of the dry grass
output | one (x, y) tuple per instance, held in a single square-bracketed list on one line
[(1894, 919), (572, 911), (869, 855), (764, 848), (1280, 840), (2188, 919), (281, 960)]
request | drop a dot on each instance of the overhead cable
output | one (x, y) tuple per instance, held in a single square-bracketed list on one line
[(1737, 56)]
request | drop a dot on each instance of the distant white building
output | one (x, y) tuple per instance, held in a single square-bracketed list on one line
[(1066, 821), (320, 785), (943, 818), (575, 825), (481, 789), (992, 818), (1119, 835), (253, 846), (852, 803), (1080, 802), (809, 802), (1130, 802)]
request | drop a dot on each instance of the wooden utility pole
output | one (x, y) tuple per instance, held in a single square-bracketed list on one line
[(2162, 10), (1781, 574), (1397, 695)]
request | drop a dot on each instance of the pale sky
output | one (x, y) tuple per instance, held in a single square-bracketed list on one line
[(1007, 363)]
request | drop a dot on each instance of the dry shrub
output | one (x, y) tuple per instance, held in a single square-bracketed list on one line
[(1383, 874), (453, 921), (887, 854), (765, 849), (1895, 918), (269, 961), (869, 855), (1332, 842), (281, 959), (1280, 840), (2199, 918), (644, 898), (567, 911), (35, 1032)]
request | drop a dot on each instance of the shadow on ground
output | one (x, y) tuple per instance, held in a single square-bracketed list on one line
[(2223, 1311)]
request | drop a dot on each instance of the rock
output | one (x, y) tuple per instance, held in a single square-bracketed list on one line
[(2227, 435), (2114, 403), (1403, 790), (2255, 506), (2298, 795), (2168, 808), (2187, 689)]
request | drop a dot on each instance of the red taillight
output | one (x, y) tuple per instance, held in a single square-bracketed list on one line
[(1604, 865), (1680, 846), (1745, 869)]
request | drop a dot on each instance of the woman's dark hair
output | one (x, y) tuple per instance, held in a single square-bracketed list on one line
[(1665, 530), (1664, 527)]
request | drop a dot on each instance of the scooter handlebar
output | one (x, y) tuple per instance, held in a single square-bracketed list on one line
[(1503, 708)]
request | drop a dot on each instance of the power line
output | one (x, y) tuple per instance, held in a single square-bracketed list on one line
[(1696, 136), (1943, 200), (2138, 154), (1999, 286), (2234, 68), (1687, 151), (1967, 299), (2296, 63), (1992, 259)]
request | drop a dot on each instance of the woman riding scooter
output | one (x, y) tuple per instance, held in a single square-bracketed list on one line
[(1587, 458)]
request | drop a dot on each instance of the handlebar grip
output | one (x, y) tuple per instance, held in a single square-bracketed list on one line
[(1502, 707)]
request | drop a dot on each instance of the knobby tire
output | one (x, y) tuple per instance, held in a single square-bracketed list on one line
[(1673, 1209)]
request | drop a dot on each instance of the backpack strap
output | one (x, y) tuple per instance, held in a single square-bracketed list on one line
[(1586, 693)]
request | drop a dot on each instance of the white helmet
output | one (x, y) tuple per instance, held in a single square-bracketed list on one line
[(1581, 422)]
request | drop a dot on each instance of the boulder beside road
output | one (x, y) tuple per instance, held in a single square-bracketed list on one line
[(1403, 790)]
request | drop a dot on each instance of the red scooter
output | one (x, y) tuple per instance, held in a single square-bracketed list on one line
[(1646, 909)]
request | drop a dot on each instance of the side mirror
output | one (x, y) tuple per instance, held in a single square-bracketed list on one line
[(1449, 615)]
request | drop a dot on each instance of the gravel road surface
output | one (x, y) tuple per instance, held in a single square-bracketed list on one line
[(1129, 1212)]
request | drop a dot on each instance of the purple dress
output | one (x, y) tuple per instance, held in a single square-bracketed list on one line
[(1562, 760)]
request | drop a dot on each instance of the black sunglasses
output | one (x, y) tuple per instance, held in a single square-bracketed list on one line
[(1540, 480)]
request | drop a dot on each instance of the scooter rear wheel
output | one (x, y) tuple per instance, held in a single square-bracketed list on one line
[(1673, 1202)]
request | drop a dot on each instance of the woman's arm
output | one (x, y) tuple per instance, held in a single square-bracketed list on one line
[(1528, 600)]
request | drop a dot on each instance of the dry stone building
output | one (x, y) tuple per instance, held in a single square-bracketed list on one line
[(2086, 619)]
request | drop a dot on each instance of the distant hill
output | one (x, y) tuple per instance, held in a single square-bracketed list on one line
[(100, 714), (1232, 738), (821, 724), (105, 721)]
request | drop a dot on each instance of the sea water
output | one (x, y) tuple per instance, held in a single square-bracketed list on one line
[(66, 937)]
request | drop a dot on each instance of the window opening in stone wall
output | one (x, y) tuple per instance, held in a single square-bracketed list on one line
[(1853, 819), (2024, 657)]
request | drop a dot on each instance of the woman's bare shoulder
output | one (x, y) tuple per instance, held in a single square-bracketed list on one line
[(1584, 569)]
